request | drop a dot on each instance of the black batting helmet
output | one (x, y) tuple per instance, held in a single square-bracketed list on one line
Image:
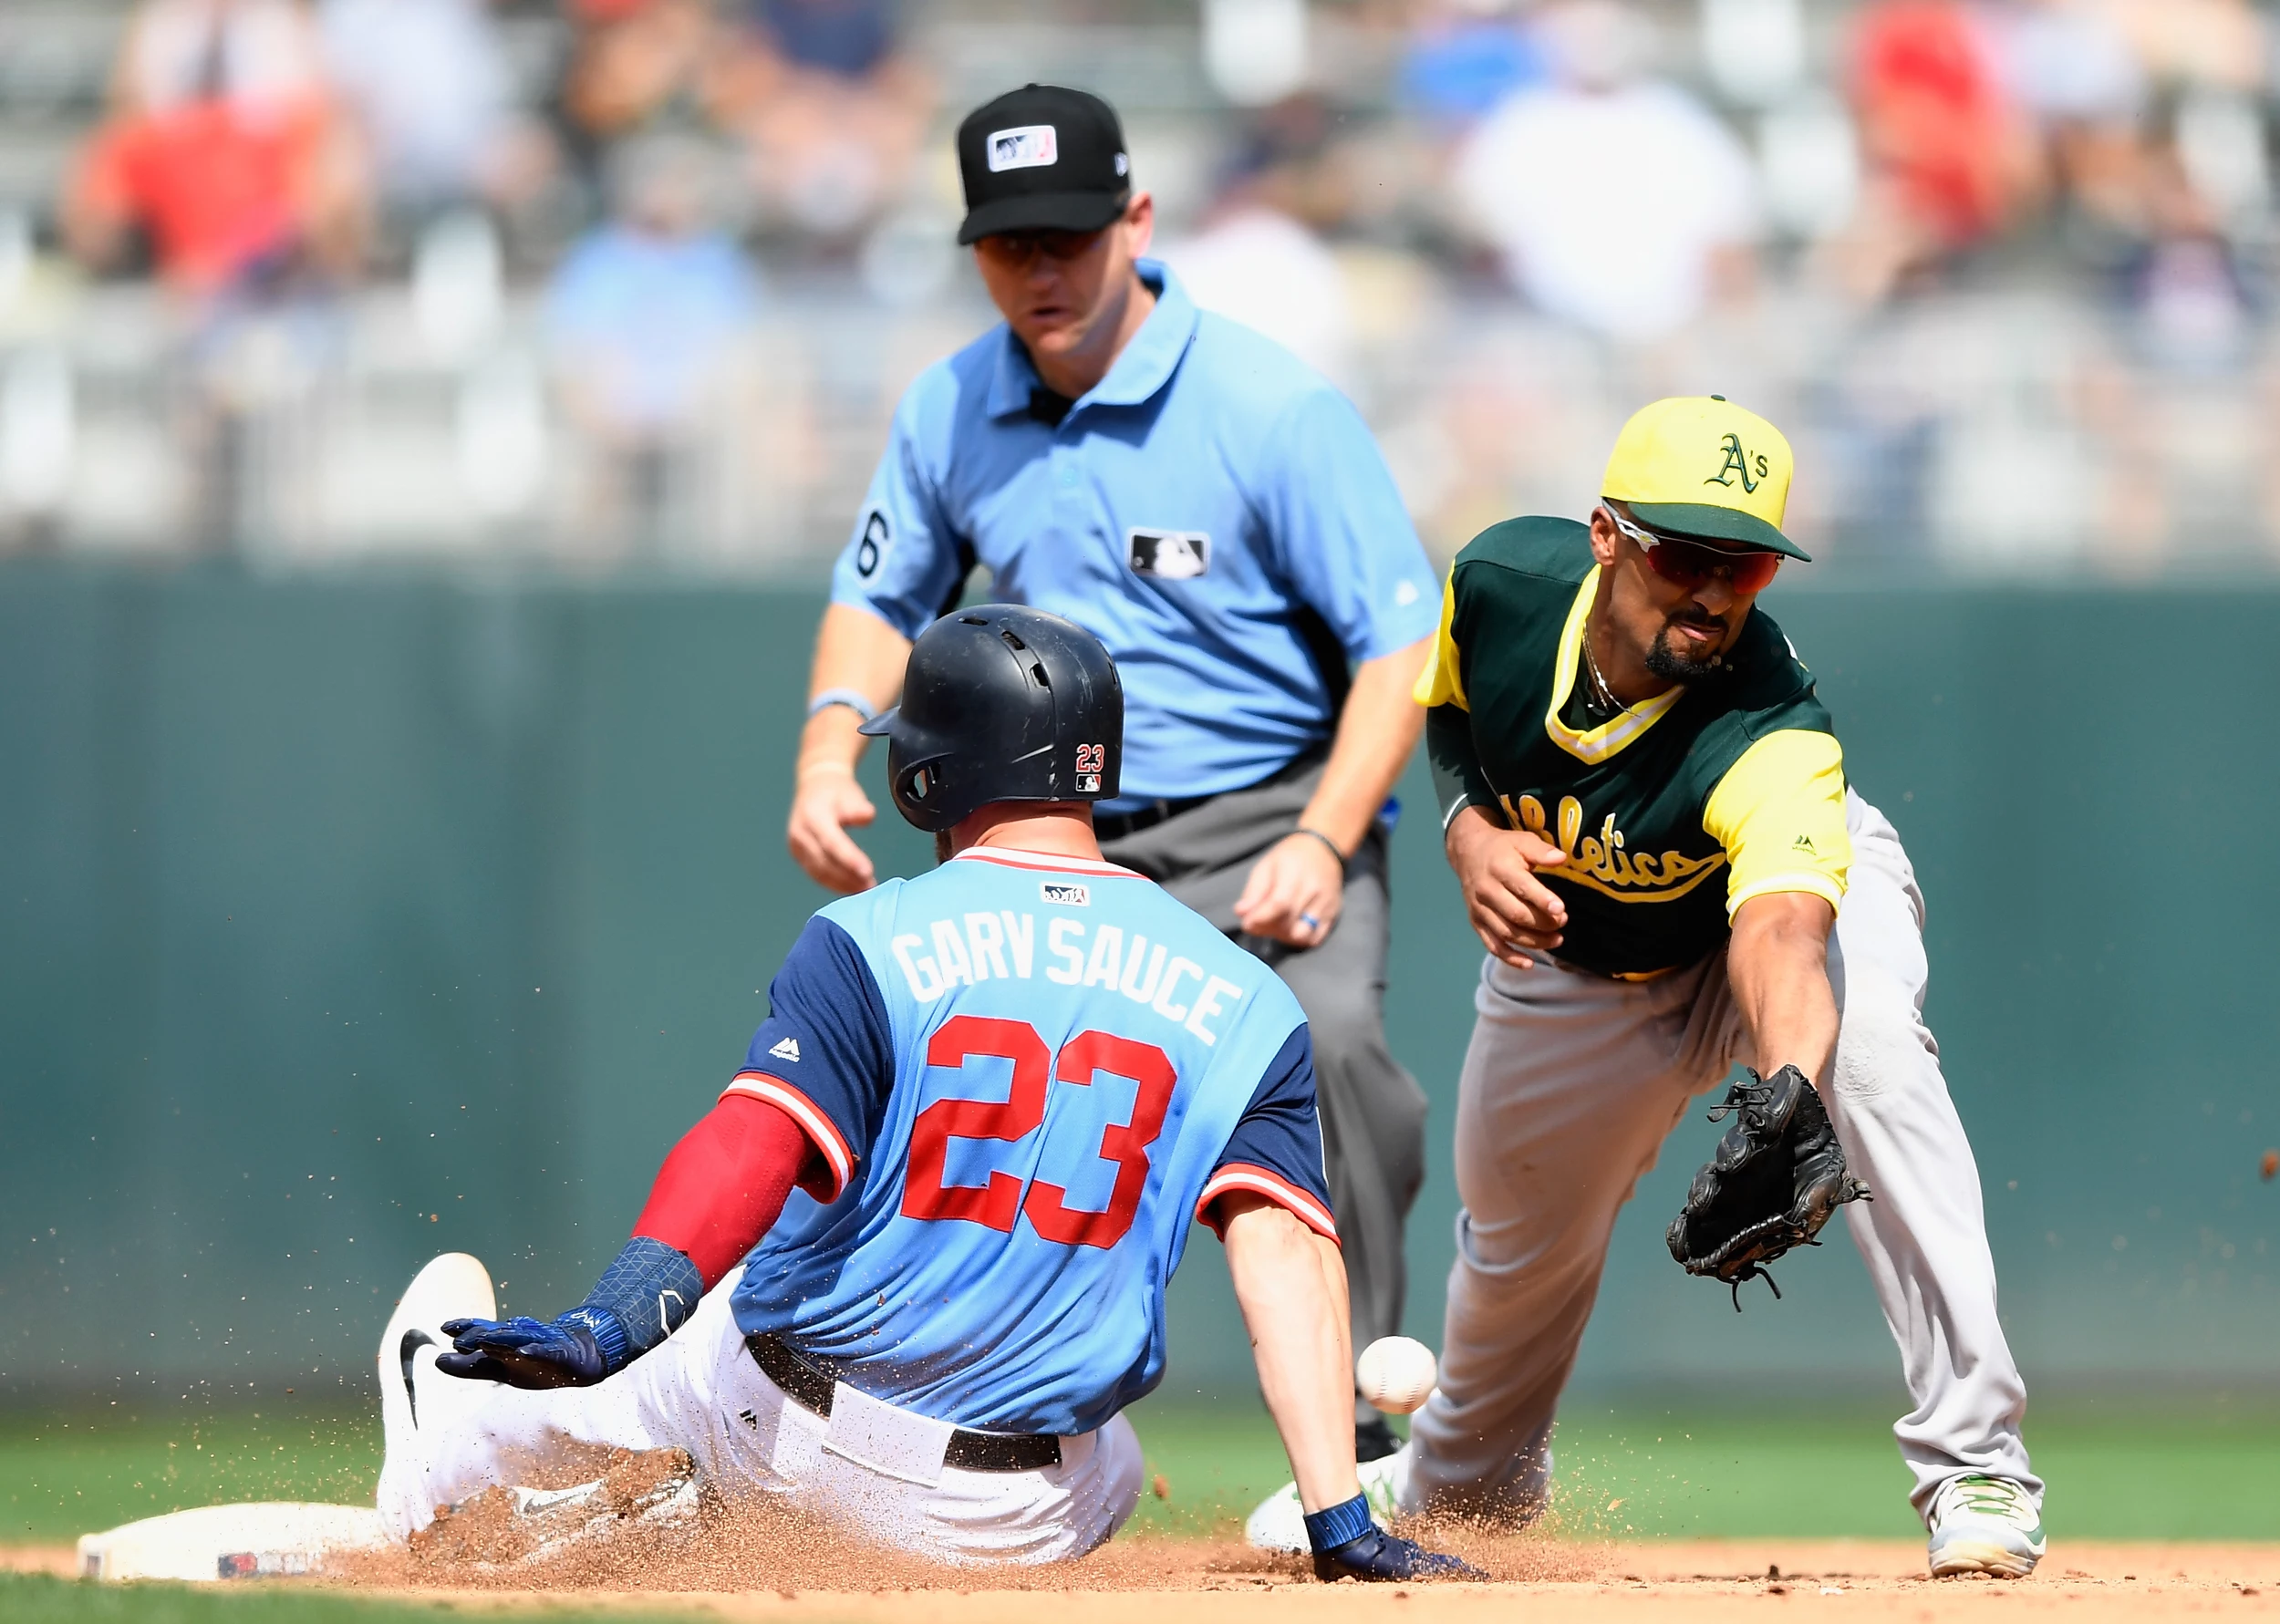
[(1002, 703)]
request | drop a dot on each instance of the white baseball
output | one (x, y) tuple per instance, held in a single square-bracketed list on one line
[(1396, 1375)]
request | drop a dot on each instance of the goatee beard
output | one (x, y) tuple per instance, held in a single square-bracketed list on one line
[(1667, 662)]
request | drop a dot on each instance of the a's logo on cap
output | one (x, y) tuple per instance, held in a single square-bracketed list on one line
[(1029, 147), (1737, 462)]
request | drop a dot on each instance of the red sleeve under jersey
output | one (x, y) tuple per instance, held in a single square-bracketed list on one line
[(725, 1183)]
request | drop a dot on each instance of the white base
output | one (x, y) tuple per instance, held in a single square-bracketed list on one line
[(259, 1540)]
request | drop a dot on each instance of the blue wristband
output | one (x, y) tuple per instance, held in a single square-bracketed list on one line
[(842, 696), (609, 1332), (646, 1293), (1340, 1524)]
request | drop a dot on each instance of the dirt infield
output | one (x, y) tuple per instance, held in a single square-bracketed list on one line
[(1547, 1581)]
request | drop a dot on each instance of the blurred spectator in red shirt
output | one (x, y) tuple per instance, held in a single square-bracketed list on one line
[(222, 148), (1948, 156)]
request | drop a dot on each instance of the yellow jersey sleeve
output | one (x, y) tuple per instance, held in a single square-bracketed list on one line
[(1779, 812), (1442, 682)]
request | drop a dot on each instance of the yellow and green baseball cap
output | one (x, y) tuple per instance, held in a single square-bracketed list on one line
[(1698, 465)]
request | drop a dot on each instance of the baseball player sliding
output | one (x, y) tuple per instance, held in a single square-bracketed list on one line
[(960, 1166), (1646, 809)]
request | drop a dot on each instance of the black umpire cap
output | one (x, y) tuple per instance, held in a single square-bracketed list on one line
[(1042, 158)]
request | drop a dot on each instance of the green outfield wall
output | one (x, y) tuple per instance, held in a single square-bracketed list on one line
[(343, 922)]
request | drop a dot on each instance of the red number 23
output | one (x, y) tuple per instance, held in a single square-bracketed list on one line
[(999, 1202)]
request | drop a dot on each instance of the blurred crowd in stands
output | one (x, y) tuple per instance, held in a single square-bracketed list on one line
[(607, 281)]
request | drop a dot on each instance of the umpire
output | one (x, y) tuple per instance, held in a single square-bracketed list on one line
[(1218, 516)]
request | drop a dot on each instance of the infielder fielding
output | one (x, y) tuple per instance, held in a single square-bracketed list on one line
[(1004, 1092), (1219, 517), (1646, 809)]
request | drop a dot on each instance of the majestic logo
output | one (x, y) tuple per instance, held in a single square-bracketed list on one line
[(787, 1048), (1168, 554), (1738, 461), (1804, 842), (1066, 895), (1026, 147), (1602, 863)]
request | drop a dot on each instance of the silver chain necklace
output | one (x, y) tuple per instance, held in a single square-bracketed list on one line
[(1602, 696)]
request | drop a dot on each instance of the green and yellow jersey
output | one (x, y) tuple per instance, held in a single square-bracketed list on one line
[(1673, 812)]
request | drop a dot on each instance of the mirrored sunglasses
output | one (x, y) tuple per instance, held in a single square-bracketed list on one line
[(1691, 565), (1022, 248)]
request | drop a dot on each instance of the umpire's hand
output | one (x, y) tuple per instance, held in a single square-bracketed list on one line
[(825, 803), (1295, 892), (1510, 909)]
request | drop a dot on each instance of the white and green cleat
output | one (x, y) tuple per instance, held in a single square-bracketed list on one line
[(1985, 1525), (1279, 1524)]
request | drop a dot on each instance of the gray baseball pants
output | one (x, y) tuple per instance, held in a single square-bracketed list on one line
[(1372, 1110), (1570, 1085)]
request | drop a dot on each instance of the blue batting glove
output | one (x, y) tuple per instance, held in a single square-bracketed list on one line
[(641, 1301), (1348, 1545), (538, 1353)]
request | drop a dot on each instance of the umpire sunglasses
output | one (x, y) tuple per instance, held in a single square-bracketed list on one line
[(1016, 251), (1691, 565)]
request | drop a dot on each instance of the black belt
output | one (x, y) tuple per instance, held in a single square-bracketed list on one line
[(1110, 826), (810, 1387), (1115, 827)]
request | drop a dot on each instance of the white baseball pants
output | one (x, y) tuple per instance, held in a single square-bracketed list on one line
[(1570, 1087), (701, 1390)]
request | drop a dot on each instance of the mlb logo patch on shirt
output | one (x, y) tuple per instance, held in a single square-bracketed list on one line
[(1066, 895), (1025, 146), (1168, 554)]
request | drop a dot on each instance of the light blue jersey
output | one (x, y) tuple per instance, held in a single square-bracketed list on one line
[(1026, 1075), (1213, 510)]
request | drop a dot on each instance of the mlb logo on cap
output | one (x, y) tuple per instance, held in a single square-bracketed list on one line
[(1032, 146), (1042, 159)]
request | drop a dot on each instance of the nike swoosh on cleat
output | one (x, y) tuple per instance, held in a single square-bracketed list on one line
[(413, 1341)]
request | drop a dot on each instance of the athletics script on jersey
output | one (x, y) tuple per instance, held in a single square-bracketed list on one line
[(973, 947), (1602, 863)]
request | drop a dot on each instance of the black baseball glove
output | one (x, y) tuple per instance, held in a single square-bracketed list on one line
[(1779, 1174)]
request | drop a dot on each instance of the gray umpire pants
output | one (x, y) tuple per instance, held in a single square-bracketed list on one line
[(1570, 1086), (1372, 1110)]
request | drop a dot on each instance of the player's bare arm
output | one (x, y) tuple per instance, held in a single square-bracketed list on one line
[(1292, 1284), (1509, 909), (1779, 964), (1296, 889), (857, 656)]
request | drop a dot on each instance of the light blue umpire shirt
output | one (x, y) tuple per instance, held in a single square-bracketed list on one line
[(1210, 507)]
